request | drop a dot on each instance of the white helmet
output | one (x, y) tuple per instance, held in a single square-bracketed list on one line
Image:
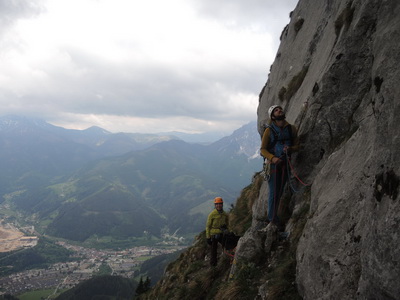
[(271, 109)]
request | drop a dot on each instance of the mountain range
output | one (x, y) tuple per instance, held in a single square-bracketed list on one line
[(34, 152), (82, 184)]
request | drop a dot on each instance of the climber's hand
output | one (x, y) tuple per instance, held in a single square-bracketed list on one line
[(276, 160)]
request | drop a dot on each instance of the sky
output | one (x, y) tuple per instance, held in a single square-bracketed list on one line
[(151, 66)]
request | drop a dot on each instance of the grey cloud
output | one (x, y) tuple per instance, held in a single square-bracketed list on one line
[(12, 10), (150, 91), (83, 84), (157, 93), (247, 13)]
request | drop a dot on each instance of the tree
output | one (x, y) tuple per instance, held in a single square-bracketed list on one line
[(140, 288), (146, 284), (143, 286)]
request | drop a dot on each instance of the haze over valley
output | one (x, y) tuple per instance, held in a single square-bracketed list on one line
[(94, 185)]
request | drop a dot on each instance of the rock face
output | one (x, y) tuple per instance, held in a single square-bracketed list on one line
[(337, 76)]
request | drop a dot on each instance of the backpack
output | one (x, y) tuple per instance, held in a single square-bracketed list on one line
[(230, 240)]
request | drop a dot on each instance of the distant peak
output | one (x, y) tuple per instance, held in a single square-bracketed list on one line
[(96, 129)]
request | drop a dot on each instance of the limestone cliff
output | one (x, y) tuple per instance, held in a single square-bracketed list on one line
[(336, 75)]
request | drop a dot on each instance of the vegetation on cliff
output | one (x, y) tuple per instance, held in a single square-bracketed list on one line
[(191, 277)]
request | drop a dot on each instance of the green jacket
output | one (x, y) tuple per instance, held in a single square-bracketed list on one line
[(215, 221)]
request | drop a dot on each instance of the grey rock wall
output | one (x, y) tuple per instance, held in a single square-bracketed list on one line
[(337, 76)]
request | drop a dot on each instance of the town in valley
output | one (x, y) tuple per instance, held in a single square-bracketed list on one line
[(65, 275)]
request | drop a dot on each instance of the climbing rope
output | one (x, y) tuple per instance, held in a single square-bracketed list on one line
[(291, 170), (231, 253)]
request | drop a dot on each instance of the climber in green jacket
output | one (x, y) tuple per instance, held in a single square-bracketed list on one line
[(217, 224)]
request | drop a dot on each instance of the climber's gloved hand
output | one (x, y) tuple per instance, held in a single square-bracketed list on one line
[(209, 241)]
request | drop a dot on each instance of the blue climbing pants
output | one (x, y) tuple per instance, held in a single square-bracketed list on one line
[(276, 183)]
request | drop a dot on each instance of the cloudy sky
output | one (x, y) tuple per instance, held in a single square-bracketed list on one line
[(138, 66)]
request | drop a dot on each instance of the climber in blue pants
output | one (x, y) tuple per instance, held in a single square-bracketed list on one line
[(276, 183), (278, 142)]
